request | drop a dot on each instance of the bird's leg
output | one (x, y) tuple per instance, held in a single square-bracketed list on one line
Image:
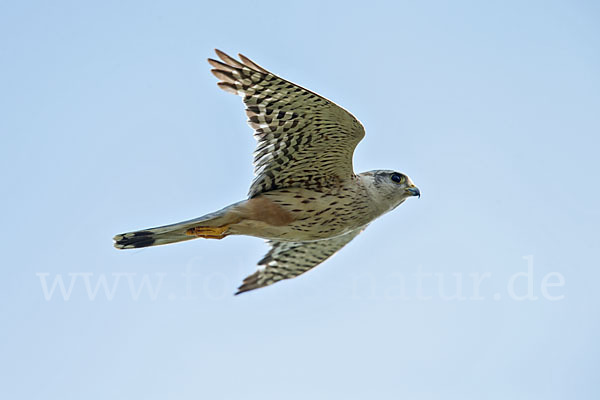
[(208, 232)]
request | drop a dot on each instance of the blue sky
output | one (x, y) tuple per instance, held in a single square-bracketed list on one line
[(485, 287)]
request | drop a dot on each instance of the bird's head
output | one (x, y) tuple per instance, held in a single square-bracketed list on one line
[(389, 188)]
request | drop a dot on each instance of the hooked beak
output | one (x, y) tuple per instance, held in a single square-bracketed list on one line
[(414, 191)]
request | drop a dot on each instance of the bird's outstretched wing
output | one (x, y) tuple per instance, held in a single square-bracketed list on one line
[(304, 140), (287, 260)]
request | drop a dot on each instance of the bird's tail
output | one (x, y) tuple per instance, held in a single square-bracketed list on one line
[(207, 226)]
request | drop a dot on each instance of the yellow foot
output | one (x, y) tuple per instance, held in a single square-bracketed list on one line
[(208, 232)]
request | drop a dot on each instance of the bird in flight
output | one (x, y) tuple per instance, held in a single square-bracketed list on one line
[(306, 199)]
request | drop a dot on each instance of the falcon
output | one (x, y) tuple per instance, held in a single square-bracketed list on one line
[(305, 200)]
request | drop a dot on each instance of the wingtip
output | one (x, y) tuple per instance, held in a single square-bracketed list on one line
[(249, 63), (248, 284), (227, 59), (243, 289), (222, 55), (228, 87)]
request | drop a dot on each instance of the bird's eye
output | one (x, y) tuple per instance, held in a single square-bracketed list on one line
[(397, 178)]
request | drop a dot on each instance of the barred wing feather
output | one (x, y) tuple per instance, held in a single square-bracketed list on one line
[(287, 260), (304, 140)]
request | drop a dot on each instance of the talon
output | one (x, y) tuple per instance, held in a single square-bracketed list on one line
[(208, 232)]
